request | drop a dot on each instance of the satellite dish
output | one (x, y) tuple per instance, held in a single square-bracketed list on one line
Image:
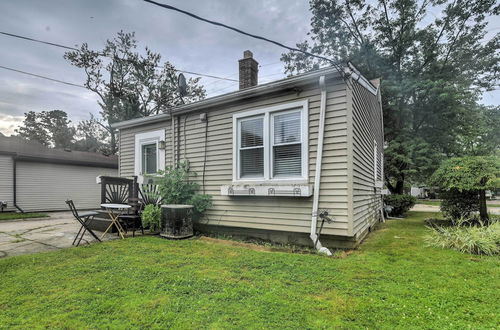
[(182, 85)]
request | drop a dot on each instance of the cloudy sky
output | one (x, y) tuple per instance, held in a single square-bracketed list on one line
[(187, 43)]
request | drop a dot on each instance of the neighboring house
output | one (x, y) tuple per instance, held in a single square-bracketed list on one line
[(36, 178), (275, 154)]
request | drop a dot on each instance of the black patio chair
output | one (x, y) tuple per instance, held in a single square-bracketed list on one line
[(132, 219), (84, 218)]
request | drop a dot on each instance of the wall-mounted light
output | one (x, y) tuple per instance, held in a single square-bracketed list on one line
[(162, 145)]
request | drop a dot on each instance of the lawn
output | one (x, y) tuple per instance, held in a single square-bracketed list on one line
[(13, 215), (393, 280)]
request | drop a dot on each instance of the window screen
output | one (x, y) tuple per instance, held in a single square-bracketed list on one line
[(287, 147), (252, 148), (149, 160)]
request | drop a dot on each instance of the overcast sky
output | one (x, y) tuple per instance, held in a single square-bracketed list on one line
[(188, 44)]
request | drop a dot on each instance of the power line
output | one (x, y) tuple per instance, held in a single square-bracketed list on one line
[(73, 48), (42, 77), (37, 40), (332, 62)]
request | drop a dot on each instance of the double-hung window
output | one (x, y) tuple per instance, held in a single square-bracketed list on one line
[(271, 144), (149, 158)]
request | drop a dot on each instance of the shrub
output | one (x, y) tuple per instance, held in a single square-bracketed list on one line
[(481, 239), (177, 187), (151, 217), (400, 204), (457, 205), (467, 175)]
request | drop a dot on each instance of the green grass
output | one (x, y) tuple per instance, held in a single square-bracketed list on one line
[(13, 215), (393, 281)]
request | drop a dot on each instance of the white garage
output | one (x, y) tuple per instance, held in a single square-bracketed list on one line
[(36, 178)]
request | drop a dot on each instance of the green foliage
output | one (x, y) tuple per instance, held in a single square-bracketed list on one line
[(177, 187), (434, 61), (466, 176), (459, 204), (50, 128), (481, 239), (130, 84), (467, 173), (409, 158), (151, 217), (414, 286), (400, 203)]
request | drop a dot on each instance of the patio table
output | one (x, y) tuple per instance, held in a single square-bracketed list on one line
[(114, 212)]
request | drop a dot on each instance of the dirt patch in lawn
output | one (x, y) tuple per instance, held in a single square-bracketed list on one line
[(251, 246)]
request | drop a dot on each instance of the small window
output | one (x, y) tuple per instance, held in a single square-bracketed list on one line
[(149, 158), (271, 143)]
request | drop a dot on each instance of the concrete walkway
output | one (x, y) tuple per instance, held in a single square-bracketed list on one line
[(434, 208), (41, 234)]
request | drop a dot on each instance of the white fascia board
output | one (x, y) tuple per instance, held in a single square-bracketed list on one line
[(230, 97)]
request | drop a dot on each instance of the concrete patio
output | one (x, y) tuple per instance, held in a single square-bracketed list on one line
[(42, 234)]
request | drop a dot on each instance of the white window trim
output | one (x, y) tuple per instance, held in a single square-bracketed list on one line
[(266, 112), (375, 162), (148, 138)]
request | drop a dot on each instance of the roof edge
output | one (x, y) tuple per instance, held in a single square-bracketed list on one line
[(64, 161), (229, 97)]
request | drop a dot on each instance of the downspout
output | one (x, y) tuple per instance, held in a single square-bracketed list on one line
[(172, 136), (14, 167), (317, 175)]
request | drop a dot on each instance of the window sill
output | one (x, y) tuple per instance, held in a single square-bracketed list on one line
[(267, 189), (147, 178)]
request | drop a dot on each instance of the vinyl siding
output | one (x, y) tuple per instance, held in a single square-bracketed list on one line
[(45, 187), (259, 212), (367, 127), (7, 182), (127, 146)]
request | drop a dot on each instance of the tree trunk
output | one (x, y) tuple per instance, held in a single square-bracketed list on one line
[(397, 189), (483, 211)]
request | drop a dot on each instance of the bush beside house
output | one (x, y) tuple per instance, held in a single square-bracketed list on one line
[(399, 204)]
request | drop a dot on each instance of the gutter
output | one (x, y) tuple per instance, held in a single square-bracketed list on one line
[(360, 79), (14, 167), (317, 175)]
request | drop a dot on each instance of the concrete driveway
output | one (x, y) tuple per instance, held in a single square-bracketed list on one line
[(434, 208), (41, 234)]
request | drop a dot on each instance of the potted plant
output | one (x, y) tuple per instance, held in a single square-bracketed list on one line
[(181, 201)]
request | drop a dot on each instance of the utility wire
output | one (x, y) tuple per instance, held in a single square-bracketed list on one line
[(73, 48), (36, 40), (42, 77), (335, 64)]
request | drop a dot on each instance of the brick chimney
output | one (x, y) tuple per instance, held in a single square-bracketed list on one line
[(249, 69)]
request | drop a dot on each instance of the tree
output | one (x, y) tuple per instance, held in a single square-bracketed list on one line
[(434, 66), (129, 84), (50, 128), (91, 136), (481, 135), (469, 175), (33, 128)]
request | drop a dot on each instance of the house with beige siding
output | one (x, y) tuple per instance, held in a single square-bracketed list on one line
[(36, 178), (275, 156)]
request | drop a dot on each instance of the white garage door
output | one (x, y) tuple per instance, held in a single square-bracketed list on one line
[(45, 187)]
